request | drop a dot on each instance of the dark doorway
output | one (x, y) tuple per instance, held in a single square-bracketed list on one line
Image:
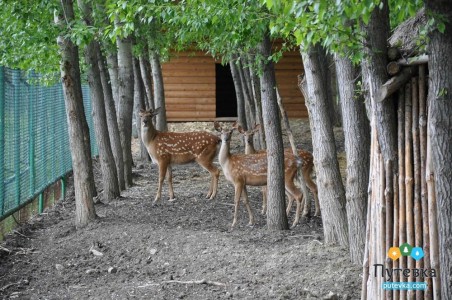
[(226, 100)]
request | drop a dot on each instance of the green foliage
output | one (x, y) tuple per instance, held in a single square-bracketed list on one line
[(28, 35), (334, 25)]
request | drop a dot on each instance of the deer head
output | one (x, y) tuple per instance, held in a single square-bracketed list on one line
[(147, 115)]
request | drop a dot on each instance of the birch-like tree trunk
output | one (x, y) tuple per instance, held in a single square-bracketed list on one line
[(125, 109), (112, 64), (77, 125), (331, 190), (107, 162), (357, 148), (139, 104), (276, 205), (146, 76), (159, 91), (112, 121), (241, 113), (374, 70), (440, 127)]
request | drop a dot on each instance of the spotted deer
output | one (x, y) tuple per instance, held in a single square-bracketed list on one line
[(251, 169), (306, 170), (168, 148)]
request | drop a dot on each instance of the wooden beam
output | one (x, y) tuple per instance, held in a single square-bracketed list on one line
[(393, 84), (412, 61)]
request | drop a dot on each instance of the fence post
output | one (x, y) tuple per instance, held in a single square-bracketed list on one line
[(16, 97), (2, 139), (31, 133), (41, 203)]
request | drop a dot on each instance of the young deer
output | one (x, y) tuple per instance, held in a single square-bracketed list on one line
[(306, 170), (167, 148), (251, 169)]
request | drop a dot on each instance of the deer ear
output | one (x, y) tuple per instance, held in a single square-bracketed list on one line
[(240, 129), (142, 111), (156, 111), (217, 126)]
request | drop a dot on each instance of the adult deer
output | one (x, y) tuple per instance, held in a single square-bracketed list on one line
[(167, 148), (251, 169), (306, 170)]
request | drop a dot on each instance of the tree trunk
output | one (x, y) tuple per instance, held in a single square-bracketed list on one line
[(374, 67), (112, 63), (146, 76), (327, 67), (357, 147), (276, 206), (250, 110), (256, 88), (331, 189), (241, 114), (159, 92), (440, 127), (139, 104), (112, 122), (107, 162), (125, 111), (77, 125)]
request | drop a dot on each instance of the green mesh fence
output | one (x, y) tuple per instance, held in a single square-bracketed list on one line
[(34, 140)]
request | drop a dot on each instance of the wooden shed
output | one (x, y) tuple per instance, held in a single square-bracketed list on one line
[(198, 88)]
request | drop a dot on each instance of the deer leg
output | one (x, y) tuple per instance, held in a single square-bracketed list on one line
[(313, 188), (238, 191), (297, 214), (169, 176), (214, 174), (295, 193), (162, 172), (289, 204), (247, 205), (264, 200)]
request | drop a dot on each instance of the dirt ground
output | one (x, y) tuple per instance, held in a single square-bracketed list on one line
[(175, 250)]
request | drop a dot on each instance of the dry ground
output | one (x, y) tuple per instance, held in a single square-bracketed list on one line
[(176, 250)]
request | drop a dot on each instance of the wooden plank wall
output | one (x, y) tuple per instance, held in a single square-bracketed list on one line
[(189, 79), (286, 71)]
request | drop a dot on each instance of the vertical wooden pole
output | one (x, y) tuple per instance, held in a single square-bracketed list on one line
[(395, 240), (417, 177), (380, 218), (389, 204), (409, 177), (401, 154), (366, 290)]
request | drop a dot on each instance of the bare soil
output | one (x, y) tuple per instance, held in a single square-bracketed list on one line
[(175, 250)]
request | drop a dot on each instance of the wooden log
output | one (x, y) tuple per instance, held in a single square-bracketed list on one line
[(395, 240), (369, 247), (409, 178), (380, 228), (417, 175), (389, 222), (423, 157), (413, 61), (401, 183), (433, 225), (393, 53), (393, 68), (394, 84)]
